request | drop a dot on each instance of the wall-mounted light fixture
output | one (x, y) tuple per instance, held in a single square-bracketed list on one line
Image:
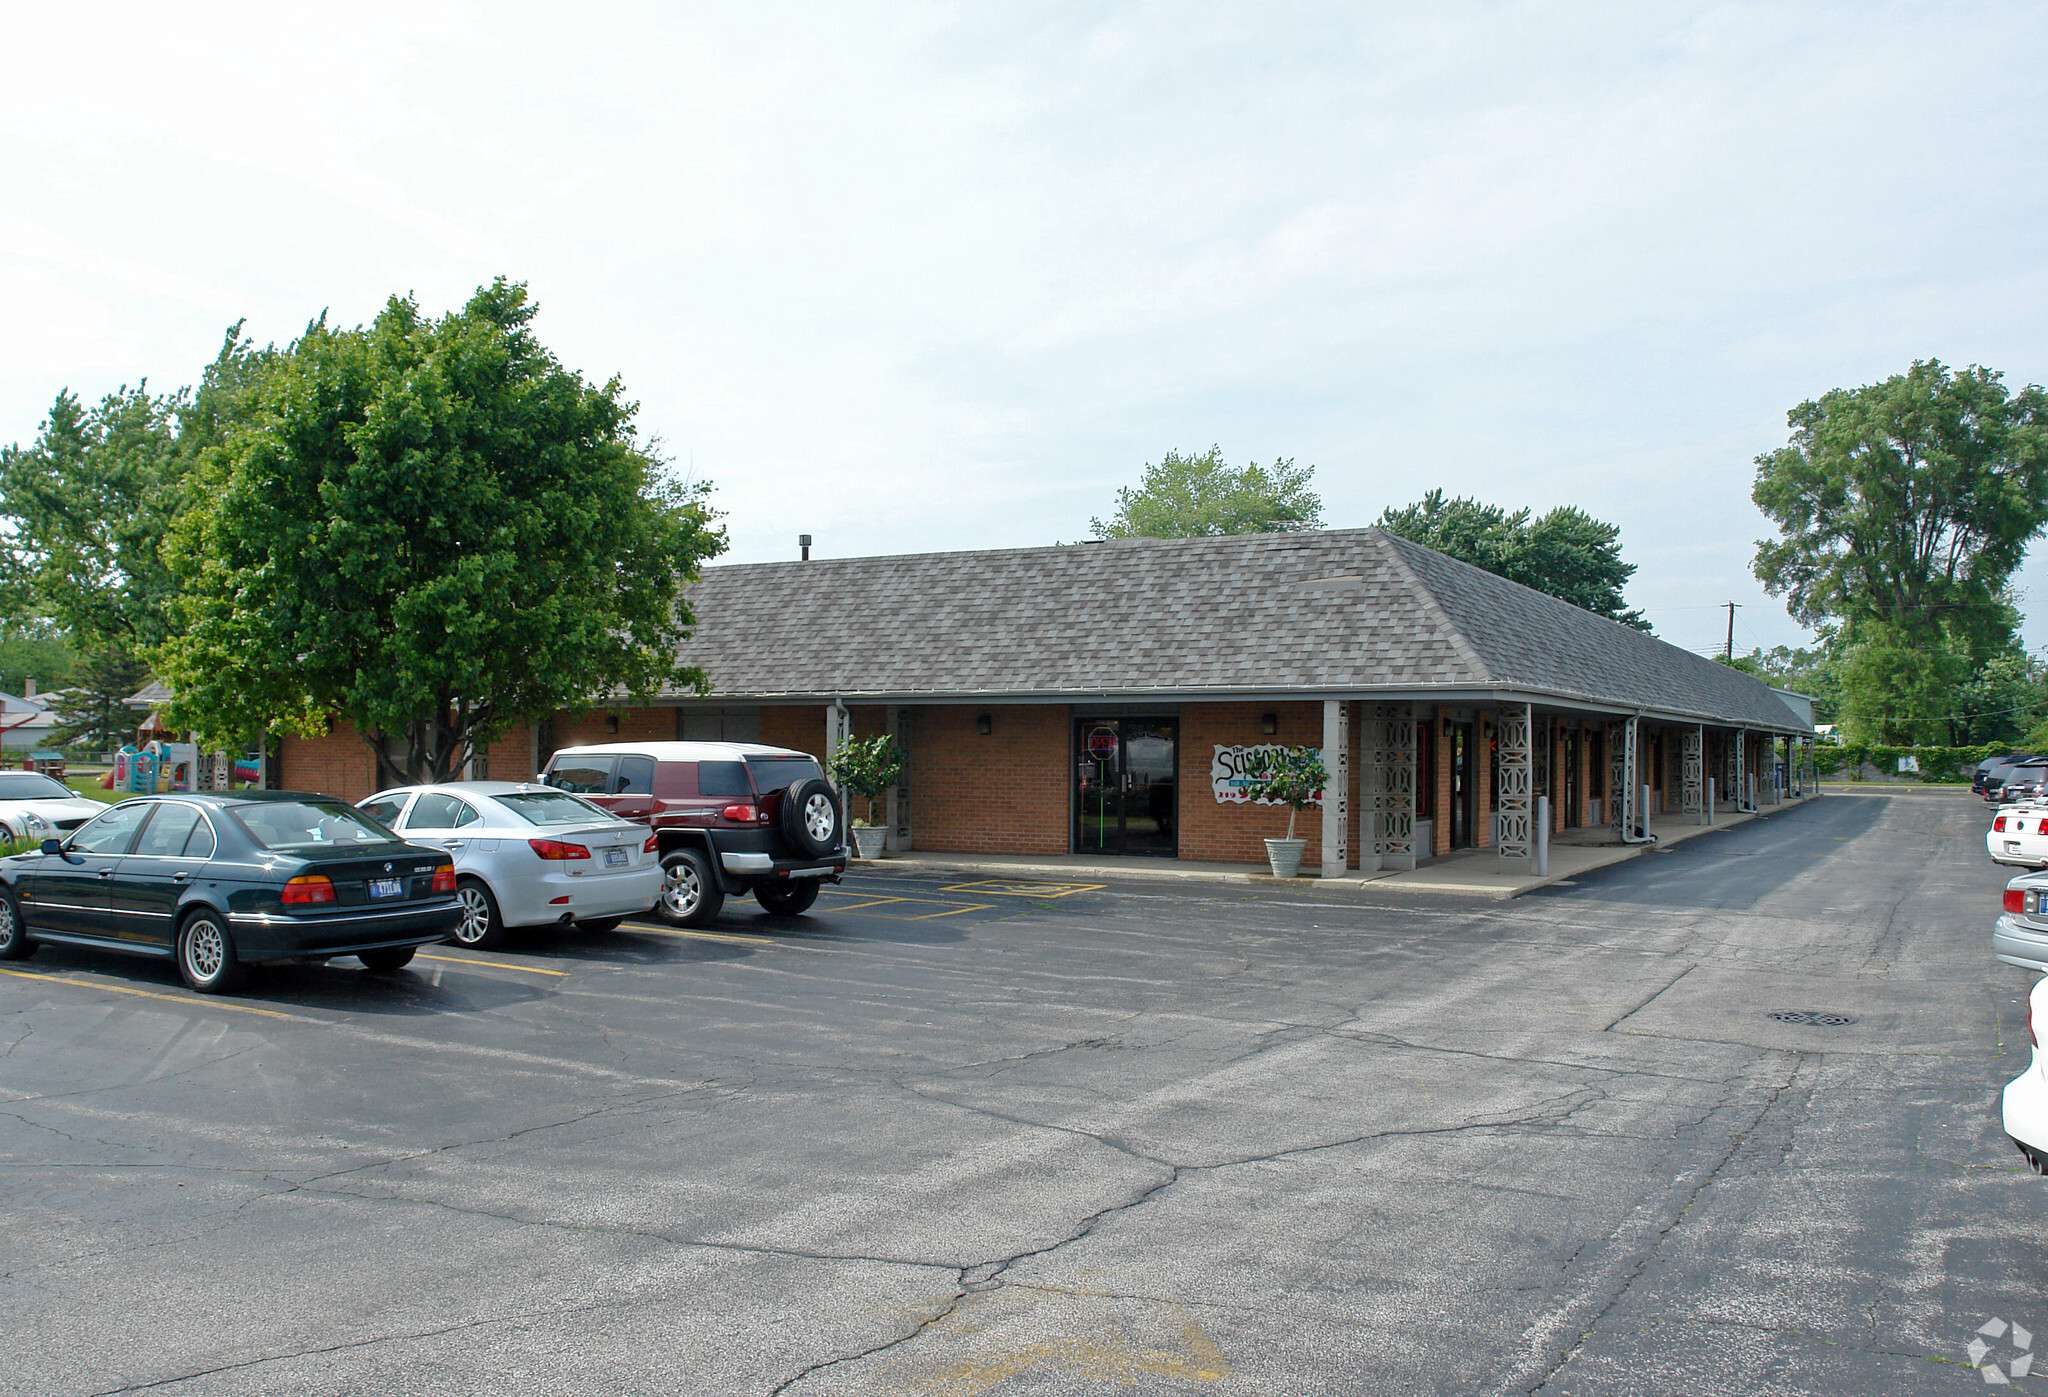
[(611, 722), (1269, 723), (984, 723)]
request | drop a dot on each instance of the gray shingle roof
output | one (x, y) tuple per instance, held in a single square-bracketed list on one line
[(1352, 610)]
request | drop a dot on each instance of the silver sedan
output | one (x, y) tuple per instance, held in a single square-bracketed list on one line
[(527, 855)]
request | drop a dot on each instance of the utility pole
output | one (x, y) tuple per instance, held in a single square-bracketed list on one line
[(1728, 651)]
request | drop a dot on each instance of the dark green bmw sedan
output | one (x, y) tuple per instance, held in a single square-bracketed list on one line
[(221, 882)]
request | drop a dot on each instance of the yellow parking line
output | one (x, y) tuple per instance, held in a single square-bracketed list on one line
[(494, 964), (952, 911), (708, 935), (148, 994), (856, 906), (1009, 887)]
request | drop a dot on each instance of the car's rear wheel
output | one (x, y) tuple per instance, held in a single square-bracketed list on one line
[(14, 942), (481, 928), (690, 895), (206, 955), (787, 899), (598, 926), (387, 960), (810, 818)]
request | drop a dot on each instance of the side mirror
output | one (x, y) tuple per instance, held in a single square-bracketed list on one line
[(53, 846)]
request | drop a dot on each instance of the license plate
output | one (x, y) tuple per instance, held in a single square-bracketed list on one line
[(616, 858), (387, 887), (2012, 846)]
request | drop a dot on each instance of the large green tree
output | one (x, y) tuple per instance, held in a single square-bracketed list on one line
[(432, 530), (93, 711), (1565, 552), (1200, 496), (1903, 509), (85, 507)]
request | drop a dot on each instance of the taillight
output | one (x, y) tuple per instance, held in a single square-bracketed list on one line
[(653, 843), (558, 849), (444, 878), (740, 814), (2015, 900), (1998, 825), (313, 887), (2044, 827)]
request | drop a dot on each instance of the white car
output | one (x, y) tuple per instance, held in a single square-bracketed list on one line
[(2026, 1096), (527, 855), (33, 806), (2019, 836)]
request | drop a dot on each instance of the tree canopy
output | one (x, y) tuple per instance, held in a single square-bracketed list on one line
[(432, 530), (1200, 496), (1566, 552), (85, 507), (1903, 509)]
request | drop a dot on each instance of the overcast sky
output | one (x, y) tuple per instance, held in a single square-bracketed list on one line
[(933, 277)]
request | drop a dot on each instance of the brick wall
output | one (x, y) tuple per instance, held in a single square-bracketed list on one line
[(1003, 793), (799, 729), (339, 764), (1213, 831)]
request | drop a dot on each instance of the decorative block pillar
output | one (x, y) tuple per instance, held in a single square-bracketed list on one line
[(1621, 784), (1693, 777), (898, 816), (1337, 790), (1389, 799), (1514, 803)]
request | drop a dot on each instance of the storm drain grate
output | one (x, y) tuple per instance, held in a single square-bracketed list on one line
[(1813, 1018)]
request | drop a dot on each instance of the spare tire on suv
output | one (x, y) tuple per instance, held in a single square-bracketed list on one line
[(809, 818)]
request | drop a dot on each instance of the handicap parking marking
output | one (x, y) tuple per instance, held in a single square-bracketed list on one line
[(494, 964), (1009, 887), (192, 1000)]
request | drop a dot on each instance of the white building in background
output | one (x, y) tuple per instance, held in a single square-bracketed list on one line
[(25, 722)]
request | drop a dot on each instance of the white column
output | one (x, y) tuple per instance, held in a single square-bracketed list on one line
[(1337, 793)]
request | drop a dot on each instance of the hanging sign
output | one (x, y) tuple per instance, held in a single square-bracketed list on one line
[(1102, 743), (1233, 769)]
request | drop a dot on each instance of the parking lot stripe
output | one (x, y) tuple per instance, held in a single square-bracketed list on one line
[(494, 964), (716, 936), (150, 994), (951, 911), (1008, 887)]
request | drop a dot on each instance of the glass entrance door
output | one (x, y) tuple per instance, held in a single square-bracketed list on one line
[(1459, 751), (1127, 786)]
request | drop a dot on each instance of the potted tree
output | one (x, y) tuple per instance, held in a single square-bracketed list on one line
[(1295, 778), (868, 767)]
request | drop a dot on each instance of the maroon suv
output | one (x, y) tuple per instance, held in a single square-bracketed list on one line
[(732, 818)]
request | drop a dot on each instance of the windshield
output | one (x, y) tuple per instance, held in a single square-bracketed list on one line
[(309, 824), (773, 773), (27, 785), (552, 808)]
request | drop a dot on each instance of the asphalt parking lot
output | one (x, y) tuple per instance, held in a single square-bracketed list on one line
[(967, 1136)]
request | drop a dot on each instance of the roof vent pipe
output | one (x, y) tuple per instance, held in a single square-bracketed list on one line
[(803, 541)]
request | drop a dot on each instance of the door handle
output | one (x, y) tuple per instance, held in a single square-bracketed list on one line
[(181, 877), (106, 873), (453, 844)]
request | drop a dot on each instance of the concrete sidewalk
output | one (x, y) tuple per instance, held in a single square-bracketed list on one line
[(1468, 873)]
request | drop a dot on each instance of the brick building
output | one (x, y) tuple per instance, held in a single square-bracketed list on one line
[(1099, 698)]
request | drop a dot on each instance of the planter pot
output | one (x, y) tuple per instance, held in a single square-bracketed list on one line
[(1285, 856), (868, 840)]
